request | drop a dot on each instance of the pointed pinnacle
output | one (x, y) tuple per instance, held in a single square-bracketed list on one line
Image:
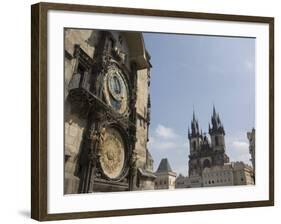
[(214, 110), (193, 115)]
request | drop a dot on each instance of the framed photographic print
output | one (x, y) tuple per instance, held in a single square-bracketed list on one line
[(138, 111)]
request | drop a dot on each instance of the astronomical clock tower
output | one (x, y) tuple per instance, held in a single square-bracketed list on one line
[(107, 112)]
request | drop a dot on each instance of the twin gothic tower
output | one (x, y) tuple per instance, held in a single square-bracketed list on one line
[(204, 152)]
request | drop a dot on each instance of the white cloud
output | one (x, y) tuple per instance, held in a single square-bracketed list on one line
[(165, 139), (164, 145), (239, 151), (240, 146), (165, 132), (165, 142)]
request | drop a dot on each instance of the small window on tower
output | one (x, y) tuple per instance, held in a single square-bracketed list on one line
[(111, 43), (217, 140), (140, 121), (194, 145), (120, 39), (81, 70)]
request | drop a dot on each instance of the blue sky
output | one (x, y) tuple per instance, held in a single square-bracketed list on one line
[(194, 72)]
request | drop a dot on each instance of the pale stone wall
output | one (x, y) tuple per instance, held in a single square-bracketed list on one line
[(149, 162), (84, 38), (165, 180), (142, 92), (251, 138), (172, 182), (74, 128), (195, 181), (141, 143), (147, 184), (74, 125), (141, 107), (218, 176), (249, 177), (243, 174), (69, 65), (239, 177), (161, 181), (189, 182), (236, 173), (181, 181)]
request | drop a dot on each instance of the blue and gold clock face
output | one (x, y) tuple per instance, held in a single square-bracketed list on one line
[(116, 86), (116, 90)]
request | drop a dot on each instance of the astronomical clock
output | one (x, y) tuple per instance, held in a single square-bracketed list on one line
[(116, 90), (103, 92)]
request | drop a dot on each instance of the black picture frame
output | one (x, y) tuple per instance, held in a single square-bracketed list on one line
[(39, 107)]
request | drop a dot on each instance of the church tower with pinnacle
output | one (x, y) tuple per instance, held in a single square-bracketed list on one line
[(217, 133), (206, 151), (195, 136)]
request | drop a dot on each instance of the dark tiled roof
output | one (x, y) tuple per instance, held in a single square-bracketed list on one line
[(164, 166)]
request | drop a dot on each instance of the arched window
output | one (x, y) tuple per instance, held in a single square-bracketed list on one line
[(194, 145), (206, 163), (217, 140)]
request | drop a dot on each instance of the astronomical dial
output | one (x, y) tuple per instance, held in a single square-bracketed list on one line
[(116, 90), (112, 153)]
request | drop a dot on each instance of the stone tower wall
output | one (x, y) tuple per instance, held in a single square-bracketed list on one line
[(141, 122)]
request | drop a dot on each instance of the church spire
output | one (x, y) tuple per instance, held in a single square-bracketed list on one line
[(193, 117), (217, 126), (214, 110), (195, 131)]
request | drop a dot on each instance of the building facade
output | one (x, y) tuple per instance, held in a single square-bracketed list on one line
[(230, 174), (181, 181), (235, 173), (243, 174), (107, 112), (252, 149), (208, 164), (205, 153), (165, 177), (218, 176)]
